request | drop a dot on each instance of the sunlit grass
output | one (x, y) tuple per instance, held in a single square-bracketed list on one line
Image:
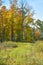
[(22, 54)]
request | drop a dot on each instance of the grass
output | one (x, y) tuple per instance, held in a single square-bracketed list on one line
[(12, 53)]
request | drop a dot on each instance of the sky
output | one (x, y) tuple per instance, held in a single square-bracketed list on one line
[(37, 6)]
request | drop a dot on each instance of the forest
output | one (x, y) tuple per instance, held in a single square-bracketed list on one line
[(17, 23), (21, 34)]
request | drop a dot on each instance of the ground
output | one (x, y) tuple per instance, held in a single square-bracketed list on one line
[(13, 53)]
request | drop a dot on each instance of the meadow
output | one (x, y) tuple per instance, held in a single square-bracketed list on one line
[(18, 53), (21, 22)]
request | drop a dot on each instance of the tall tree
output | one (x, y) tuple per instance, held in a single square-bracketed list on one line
[(15, 22), (25, 15), (3, 19), (13, 11)]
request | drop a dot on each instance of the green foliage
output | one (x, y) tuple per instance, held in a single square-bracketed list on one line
[(39, 25)]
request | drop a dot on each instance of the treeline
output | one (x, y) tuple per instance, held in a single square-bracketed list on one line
[(15, 24)]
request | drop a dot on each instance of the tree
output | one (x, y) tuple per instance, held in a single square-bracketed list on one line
[(26, 17), (15, 22), (13, 11), (3, 19), (39, 25), (13, 2), (0, 2)]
